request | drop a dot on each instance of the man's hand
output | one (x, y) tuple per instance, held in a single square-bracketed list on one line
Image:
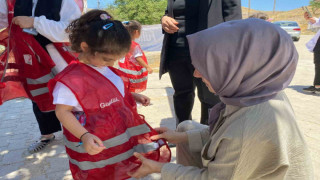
[(170, 135), (147, 167), (23, 21), (92, 144), (169, 24)]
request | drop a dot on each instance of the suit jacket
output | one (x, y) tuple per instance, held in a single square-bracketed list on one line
[(211, 13)]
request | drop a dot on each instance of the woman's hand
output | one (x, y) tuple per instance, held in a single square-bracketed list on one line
[(310, 19), (92, 144), (169, 24), (144, 100), (23, 21), (170, 135), (147, 167)]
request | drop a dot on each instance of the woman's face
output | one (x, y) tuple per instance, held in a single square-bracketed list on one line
[(198, 75)]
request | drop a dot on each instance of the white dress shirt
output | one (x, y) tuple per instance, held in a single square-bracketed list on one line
[(52, 30), (312, 43)]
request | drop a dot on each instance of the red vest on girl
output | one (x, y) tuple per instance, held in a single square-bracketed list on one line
[(25, 66), (114, 119), (138, 75)]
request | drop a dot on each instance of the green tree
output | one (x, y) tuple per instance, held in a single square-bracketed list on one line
[(144, 11), (315, 6)]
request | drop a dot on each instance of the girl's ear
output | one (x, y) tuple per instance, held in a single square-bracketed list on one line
[(84, 47), (137, 33)]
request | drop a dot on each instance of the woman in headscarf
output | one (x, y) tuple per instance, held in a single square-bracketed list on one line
[(252, 133)]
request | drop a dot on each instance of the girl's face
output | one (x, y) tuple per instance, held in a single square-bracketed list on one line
[(136, 34), (98, 59), (102, 59), (198, 75)]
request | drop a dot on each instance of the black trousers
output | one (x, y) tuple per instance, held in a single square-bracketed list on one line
[(181, 73), (316, 60), (47, 121), (317, 74)]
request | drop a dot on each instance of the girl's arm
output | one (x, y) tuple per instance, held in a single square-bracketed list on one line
[(143, 64), (68, 120), (144, 100), (92, 144)]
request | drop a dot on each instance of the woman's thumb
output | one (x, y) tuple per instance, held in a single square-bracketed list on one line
[(156, 137), (139, 156)]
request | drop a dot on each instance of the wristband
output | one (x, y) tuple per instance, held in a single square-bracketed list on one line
[(83, 135)]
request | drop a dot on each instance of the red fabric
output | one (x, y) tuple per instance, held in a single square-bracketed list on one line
[(131, 64), (66, 52), (91, 90), (25, 58)]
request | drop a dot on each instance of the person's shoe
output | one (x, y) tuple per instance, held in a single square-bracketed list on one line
[(310, 89), (40, 144), (317, 90)]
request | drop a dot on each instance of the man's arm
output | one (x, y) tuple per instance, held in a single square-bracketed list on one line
[(55, 30), (231, 10)]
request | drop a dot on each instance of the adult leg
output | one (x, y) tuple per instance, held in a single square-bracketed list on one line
[(184, 155), (207, 99), (181, 75), (316, 60), (47, 121), (316, 81), (48, 124)]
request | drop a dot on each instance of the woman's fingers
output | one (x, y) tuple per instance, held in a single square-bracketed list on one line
[(166, 29), (156, 137), (161, 129), (172, 24), (141, 171), (14, 20), (139, 156), (135, 174)]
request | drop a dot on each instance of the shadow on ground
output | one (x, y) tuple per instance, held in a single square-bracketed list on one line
[(299, 89)]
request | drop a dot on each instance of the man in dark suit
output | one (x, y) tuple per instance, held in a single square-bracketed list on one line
[(184, 17)]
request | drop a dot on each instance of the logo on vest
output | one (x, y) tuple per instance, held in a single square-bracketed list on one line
[(27, 59), (103, 105)]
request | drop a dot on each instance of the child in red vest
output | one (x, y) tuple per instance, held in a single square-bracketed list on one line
[(135, 64), (102, 128)]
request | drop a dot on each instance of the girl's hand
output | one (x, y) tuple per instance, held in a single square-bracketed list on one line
[(23, 21), (169, 24), (150, 70), (144, 100), (92, 144), (170, 135), (147, 167)]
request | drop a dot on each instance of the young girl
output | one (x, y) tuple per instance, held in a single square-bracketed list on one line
[(135, 63), (102, 128)]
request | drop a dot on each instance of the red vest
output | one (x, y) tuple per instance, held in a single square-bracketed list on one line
[(138, 75), (25, 67), (114, 119)]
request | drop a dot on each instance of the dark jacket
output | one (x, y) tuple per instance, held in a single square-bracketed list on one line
[(211, 13)]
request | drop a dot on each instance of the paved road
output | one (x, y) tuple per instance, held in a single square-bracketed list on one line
[(18, 127)]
